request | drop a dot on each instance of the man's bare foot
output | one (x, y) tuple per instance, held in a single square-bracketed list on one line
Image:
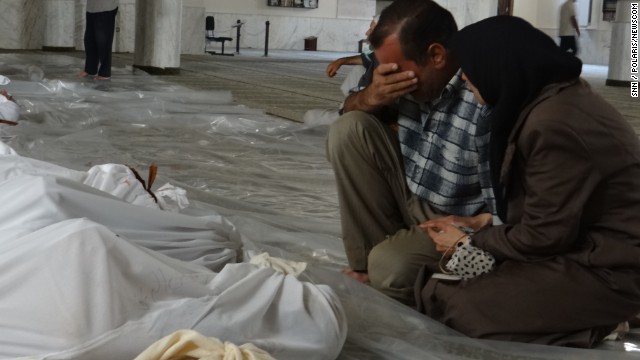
[(359, 276), (83, 74), (102, 78)]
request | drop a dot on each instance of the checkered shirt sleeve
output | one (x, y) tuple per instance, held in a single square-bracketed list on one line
[(440, 147)]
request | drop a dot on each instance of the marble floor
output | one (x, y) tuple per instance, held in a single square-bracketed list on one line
[(288, 83), (228, 130)]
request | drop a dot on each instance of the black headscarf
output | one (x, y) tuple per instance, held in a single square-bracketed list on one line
[(509, 61)]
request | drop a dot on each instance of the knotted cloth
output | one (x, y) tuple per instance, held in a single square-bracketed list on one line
[(189, 344)]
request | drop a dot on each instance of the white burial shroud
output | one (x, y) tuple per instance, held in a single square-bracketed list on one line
[(92, 276)]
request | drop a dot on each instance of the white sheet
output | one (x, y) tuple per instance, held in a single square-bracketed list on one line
[(87, 274), (80, 291), (34, 202)]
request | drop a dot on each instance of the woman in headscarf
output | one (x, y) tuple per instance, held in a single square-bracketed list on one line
[(565, 168)]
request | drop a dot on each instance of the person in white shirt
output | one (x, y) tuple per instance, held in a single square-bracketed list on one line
[(569, 27)]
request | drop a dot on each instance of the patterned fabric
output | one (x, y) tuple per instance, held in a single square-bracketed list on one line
[(440, 143), (469, 261)]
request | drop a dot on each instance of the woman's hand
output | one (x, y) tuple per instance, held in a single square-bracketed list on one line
[(444, 235), (474, 223)]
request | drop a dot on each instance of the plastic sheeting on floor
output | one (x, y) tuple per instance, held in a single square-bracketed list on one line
[(268, 177)]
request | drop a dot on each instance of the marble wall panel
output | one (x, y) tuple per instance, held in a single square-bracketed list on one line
[(620, 55), (593, 44), (11, 21), (80, 23), (620, 59), (288, 33), (59, 23), (356, 9), (339, 34), (252, 31), (125, 36), (193, 30), (22, 24), (598, 47), (334, 34), (33, 25), (467, 12)]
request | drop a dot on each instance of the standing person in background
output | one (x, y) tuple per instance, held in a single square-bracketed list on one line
[(363, 58), (98, 38), (569, 27), (367, 59)]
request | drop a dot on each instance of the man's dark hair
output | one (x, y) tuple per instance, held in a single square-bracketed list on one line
[(418, 23)]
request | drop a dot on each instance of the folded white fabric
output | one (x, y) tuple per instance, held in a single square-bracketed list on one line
[(619, 333), (319, 117), (8, 109), (89, 275), (119, 181), (172, 198), (191, 344), (36, 194), (352, 79), (6, 149), (14, 165), (288, 267), (79, 291), (114, 179)]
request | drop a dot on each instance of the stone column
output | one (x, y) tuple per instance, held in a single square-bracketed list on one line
[(620, 51), (193, 15), (59, 26), (158, 32), (125, 36)]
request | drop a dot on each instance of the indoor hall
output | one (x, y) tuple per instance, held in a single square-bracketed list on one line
[(228, 134), (229, 131)]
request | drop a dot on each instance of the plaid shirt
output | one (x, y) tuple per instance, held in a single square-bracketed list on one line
[(445, 152)]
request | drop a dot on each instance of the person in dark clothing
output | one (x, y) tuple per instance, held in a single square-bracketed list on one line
[(98, 38)]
